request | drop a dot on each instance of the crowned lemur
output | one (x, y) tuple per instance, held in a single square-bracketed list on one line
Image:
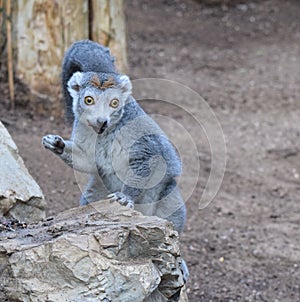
[(122, 149)]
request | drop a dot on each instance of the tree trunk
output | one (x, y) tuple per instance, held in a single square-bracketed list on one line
[(110, 31), (44, 29)]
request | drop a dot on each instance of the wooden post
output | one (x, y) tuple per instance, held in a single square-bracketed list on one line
[(9, 55)]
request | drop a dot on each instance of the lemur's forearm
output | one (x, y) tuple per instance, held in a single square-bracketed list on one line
[(72, 154), (66, 156), (78, 159)]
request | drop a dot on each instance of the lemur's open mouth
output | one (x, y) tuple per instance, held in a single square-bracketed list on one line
[(102, 127)]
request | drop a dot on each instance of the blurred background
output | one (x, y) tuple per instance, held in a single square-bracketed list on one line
[(242, 57)]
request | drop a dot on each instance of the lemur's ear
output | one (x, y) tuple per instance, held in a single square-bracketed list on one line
[(74, 84), (125, 85)]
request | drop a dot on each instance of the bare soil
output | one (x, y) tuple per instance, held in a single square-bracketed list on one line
[(243, 58)]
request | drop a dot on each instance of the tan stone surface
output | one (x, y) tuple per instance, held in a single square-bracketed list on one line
[(20, 196), (100, 252)]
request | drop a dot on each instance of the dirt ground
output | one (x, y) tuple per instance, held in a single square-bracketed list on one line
[(243, 59)]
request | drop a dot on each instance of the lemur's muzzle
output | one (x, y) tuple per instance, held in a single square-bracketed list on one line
[(100, 126)]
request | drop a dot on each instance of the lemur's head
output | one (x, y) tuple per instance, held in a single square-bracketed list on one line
[(99, 98)]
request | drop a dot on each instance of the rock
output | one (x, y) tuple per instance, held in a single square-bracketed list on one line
[(20, 196), (99, 252)]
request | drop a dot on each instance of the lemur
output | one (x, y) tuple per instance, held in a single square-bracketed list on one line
[(123, 150)]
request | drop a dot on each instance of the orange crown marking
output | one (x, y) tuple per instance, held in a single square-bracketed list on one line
[(110, 82), (95, 81)]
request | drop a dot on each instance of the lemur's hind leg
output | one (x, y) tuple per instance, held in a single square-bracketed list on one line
[(95, 190), (172, 207), (185, 271)]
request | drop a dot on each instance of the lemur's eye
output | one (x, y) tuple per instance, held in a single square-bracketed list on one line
[(89, 100), (114, 103)]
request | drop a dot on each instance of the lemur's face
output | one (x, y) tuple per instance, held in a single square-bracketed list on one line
[(99, 99)]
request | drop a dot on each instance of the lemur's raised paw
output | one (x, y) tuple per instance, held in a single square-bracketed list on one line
[(121, 199), (54, 143)]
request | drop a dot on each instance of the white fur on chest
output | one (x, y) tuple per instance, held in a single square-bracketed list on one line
[(84, 148), (105, 155), (108, 161)]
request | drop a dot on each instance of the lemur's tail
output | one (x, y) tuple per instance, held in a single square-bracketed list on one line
[(84, 56)]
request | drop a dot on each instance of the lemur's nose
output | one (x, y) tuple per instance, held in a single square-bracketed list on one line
[(101, 120)]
